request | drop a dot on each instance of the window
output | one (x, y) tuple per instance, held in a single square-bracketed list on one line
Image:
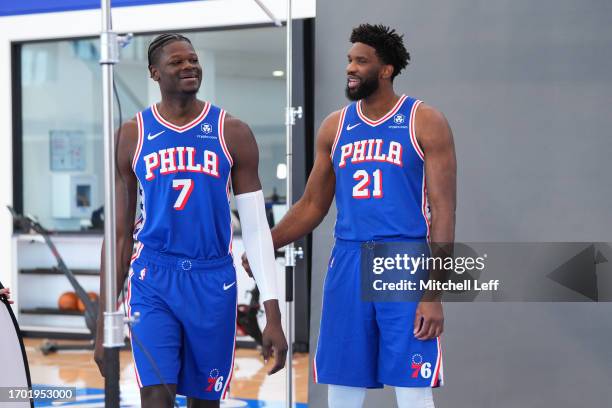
[(62, 160)]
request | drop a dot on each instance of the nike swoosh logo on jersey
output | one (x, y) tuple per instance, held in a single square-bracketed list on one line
[(151, 137), (349, 127), (226, 287)]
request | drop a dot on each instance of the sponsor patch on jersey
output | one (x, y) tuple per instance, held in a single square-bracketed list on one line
[(399, 122), (206, 128)]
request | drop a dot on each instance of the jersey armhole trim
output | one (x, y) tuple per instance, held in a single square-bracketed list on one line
[(222, 138), (338, 132), (140, 140), (413, 138)]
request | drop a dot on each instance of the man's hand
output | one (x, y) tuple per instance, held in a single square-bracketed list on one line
[(429, 320), (245, 265), (274, 340), (6, 294)]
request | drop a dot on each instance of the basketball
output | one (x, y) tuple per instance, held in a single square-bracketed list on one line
[(67, 301), (93, 296)]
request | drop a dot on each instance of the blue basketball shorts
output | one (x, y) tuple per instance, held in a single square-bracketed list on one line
[(369, 344), (186, 332)]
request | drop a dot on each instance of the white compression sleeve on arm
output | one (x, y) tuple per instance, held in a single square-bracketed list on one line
[(257, 241)]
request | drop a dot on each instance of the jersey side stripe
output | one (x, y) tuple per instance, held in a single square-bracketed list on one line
[(413, 138), (436, 375), (143, 212), (425, 204), (231, 227), (338, 132), (222, 138), (231, 372), (129, 314), (140, 140)]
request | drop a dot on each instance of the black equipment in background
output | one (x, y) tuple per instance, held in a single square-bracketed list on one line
[(27, 223), (247, 317)]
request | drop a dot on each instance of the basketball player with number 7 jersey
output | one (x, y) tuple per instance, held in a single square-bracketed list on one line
[(389, 161), (181, 156)]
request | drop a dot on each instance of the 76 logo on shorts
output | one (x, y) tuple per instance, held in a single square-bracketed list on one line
[(420, 368), (215, 381)]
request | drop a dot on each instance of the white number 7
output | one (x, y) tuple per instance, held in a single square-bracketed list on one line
[(186, 187)]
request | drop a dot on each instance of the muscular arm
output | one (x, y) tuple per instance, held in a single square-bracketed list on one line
[(245, 155), (436, 139), (309, 211), (256, 234), (125, 209)]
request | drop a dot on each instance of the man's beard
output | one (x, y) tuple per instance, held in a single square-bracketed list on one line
[(366, 88)]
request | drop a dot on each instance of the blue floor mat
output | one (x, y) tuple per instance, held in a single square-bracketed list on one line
[(94, 398)]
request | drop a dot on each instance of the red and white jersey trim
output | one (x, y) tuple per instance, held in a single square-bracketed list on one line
[(438, 373), (338, 131), (425, 205), (136, 254), (142, 219), (231, 372), (183, 128), (128, 308), (231, 226), (140, 140), (413, 138), (221, 122), (392, 112)]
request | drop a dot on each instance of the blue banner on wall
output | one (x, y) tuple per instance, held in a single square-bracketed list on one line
[(12, 8)]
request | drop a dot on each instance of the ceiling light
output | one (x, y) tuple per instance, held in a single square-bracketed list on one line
[(281, 171)]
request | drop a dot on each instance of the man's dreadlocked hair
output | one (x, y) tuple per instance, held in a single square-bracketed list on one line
[(388, 44), (158, 43)]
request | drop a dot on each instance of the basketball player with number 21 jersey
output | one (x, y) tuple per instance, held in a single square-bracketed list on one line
[(183, 156), (389, 161)]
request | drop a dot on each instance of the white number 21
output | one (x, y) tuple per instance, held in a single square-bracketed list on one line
[(361, 189)]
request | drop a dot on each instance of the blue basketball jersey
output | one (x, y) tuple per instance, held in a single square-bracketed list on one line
[(184, 177), (380, 175)]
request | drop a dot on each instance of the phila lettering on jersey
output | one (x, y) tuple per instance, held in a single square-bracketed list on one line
[(381, 191), (184, 185)]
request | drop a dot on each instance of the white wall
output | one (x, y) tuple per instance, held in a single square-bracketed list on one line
[(175, 16)]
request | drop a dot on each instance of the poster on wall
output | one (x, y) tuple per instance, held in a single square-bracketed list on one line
[(67, 150)]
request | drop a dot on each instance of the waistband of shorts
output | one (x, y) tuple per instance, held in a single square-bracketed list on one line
[(183, 263), (343, 243)]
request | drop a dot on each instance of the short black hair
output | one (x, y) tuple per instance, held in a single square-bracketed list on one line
[(158, 43), (389, 45)]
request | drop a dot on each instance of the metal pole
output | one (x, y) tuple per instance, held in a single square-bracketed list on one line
[(289, 249), (113, 320)]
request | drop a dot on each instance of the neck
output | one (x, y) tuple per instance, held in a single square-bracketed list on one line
[(380, 102), (180, 108)]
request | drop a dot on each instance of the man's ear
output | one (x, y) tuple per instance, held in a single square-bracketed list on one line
[(387, 71), (153, 73)]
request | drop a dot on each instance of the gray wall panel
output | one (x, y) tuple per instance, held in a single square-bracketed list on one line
[(527, 89)]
